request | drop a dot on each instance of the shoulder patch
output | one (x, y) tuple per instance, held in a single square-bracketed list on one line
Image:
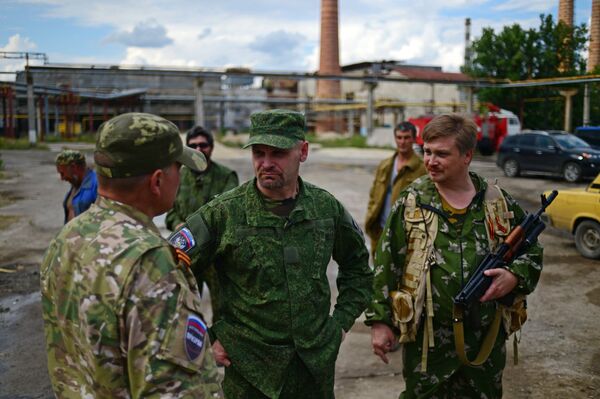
[(182, 239), (193, 340)]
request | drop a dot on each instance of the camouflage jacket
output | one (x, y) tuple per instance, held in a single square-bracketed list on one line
[(197, 189), (118, 311), (273, 274), (468, 246)]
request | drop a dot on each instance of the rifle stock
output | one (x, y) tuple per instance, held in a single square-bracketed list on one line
[(518, 240)]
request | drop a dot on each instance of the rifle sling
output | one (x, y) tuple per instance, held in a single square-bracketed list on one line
[(459, 337)]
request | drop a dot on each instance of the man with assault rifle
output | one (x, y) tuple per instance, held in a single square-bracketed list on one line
[(438, 233)]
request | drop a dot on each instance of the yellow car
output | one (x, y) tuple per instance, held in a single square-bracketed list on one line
[(578, 211)]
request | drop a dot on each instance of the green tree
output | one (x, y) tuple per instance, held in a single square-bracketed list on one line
[(551, 50)]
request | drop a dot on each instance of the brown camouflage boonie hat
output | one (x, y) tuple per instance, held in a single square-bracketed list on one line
[(69, 157), (136, 143), (279, 128)]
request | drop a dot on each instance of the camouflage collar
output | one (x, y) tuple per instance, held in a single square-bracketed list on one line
[(428, 195), (257, 215), (128, 210)]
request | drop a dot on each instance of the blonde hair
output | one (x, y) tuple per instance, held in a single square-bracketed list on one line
[(463, 129)]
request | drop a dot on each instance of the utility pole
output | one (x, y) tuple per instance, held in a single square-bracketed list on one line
[(31, 125)]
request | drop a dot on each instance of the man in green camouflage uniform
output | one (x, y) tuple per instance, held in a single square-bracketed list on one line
[(271, 240), (121, 308), (195, 190), (456, 196)]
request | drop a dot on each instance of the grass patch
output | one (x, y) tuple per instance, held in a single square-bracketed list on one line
[(5, 200), (80, 138), (7, 220), (20, 144), (356, 141)]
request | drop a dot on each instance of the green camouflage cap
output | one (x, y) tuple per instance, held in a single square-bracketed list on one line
[(69, 157), (279, 128), (136, 143)]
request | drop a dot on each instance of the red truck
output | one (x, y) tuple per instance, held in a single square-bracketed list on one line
[(492, 127)]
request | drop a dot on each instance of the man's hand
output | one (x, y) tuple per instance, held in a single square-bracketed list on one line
[(383, 340), (503, 282), (221, 355)]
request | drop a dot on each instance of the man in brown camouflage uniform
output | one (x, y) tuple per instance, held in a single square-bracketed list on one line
[(121, 308)]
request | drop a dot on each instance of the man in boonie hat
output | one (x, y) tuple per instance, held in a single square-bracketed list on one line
[(117, 298), (271, 240), (72, 168)]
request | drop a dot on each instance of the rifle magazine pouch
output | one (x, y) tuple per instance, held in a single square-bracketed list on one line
[(515, 316)]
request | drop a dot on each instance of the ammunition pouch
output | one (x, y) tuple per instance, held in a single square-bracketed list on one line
[(513, 317), (403, 312)]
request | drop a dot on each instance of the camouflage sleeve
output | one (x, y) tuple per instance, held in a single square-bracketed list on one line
[(389, 261), (232, 181), (355, 277), (164, 337), (527, 266)]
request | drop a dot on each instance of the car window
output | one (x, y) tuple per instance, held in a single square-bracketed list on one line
[(511, 140), (568, 141), (527, 140), (543, 141)]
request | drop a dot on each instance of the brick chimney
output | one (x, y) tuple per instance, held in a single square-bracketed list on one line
[(594, 53), (565, 15), (329, 61), (565, 11)]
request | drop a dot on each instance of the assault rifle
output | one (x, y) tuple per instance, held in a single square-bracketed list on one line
[(519, 239)]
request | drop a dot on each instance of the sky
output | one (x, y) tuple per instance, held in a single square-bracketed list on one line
[(267, 35)]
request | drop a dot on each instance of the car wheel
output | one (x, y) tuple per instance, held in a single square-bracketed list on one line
[(511, 168), (572, 172), (587, 239)]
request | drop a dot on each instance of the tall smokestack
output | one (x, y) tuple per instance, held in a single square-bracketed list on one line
[(565, 15), (467, 43), (565, 11), (329, 59), (594, 53)]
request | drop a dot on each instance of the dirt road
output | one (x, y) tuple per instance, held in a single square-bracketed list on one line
[(560, 345)]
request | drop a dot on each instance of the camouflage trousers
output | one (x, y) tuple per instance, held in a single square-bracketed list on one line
[(299, 384), (446, 377)]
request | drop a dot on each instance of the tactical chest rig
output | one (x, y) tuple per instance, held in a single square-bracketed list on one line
[(414, 293)]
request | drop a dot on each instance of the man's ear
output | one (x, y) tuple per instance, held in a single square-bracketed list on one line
[(156, 181), (304, 151), (468, 156)]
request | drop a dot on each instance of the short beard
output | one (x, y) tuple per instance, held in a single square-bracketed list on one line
[(271, 184)]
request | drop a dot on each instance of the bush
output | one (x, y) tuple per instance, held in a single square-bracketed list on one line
[(20, 144), (80, 138), (356, 141)]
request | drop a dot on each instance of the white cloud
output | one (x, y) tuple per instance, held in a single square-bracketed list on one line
[(526, 5), (148, 33), (254, 34), (16, 43)]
